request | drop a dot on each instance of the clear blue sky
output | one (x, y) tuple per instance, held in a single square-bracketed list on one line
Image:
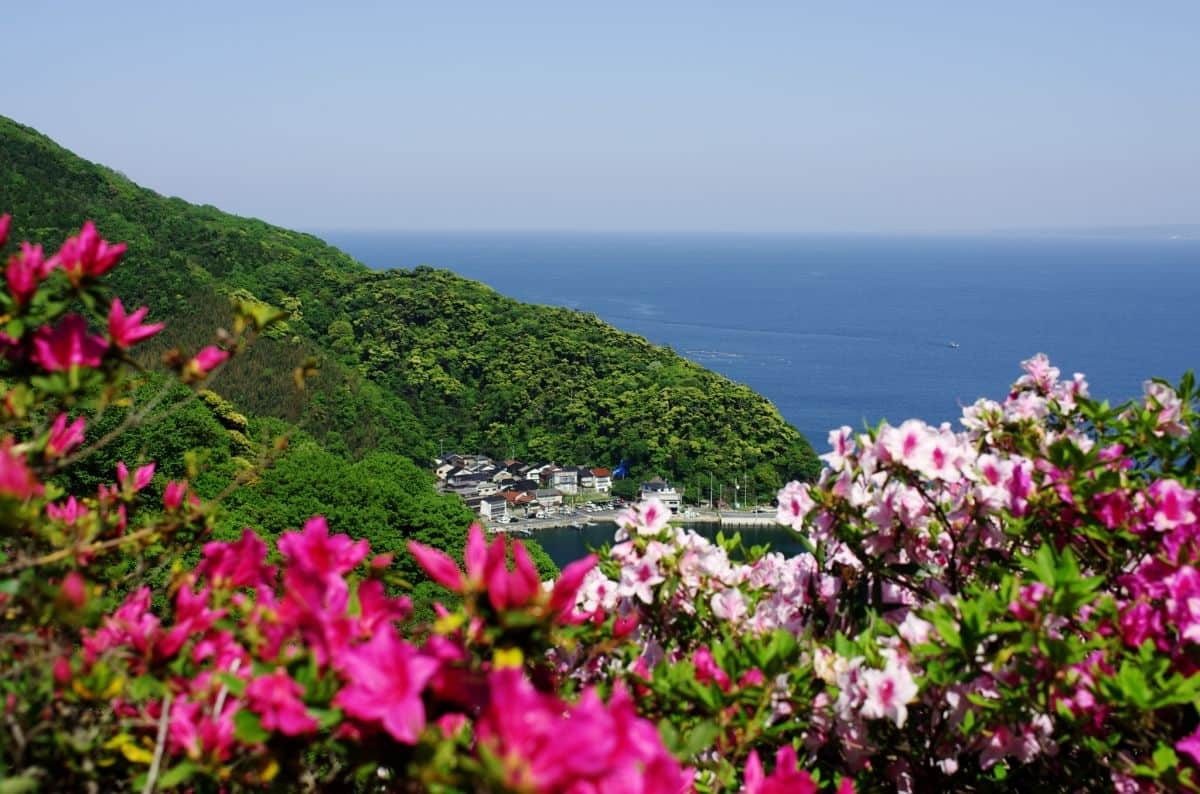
[(866, 116)]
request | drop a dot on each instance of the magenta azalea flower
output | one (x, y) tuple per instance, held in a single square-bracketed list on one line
[(240, 564), (126, 330), (87, 254), (16, 479), (315, 552), (787, 778), (63, 437), (26, 271), (67, 345), (276, 698), (386, 676)]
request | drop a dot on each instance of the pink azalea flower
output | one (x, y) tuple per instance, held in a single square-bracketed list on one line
[(206, 361), (16, 479), (787, 778), (707, 670), (5, 221), (377, 609), (25, 272), (173, 495), (1190, 745), (68, 512), (1025, 607), (385, 677), (235, 565), (566, 589), (316, 552), (87, 255), (545, 744), (67, 345), (124, 330), (510, 589), (276, 698), (64, 438), (141, 476), (440, 566), (194, 730), (74, 589), (1170, 505)]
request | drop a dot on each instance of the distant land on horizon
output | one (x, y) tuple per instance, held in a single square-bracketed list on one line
[(1166, 231)]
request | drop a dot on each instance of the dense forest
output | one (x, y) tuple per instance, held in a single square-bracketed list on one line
[(408, 358)]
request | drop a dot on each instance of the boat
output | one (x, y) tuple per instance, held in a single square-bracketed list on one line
[(954, 345)]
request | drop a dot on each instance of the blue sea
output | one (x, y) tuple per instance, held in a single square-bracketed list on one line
[(851, 330)]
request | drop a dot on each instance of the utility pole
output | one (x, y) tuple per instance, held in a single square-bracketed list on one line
[(710, 503)]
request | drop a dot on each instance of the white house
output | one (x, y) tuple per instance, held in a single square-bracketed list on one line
[(660, 489), (493, 508)]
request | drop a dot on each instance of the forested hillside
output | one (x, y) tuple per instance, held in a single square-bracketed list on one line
[(408, 359)]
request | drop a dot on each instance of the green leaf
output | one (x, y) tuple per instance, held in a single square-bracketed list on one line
[(701, 738), (180, 773), (1165, 758), (18, 785), (236, 685), (326, 718), (248, 728)]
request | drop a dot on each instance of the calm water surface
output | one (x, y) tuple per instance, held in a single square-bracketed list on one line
[(851, 330), (565, 545)]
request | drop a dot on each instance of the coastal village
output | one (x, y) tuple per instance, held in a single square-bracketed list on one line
[(511, 490)]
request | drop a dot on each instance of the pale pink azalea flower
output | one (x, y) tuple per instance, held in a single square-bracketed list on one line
[(1039, 375), (1162, 398), (914, 630), (841, 447), (730, 604), (638, 581), (646, 518), (905, 445), (1026, 406), (795, 503), (888, 692)]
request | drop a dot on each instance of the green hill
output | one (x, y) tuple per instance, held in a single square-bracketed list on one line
[(409, 358)]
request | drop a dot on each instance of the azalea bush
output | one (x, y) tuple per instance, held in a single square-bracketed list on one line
[(1012, 604)]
